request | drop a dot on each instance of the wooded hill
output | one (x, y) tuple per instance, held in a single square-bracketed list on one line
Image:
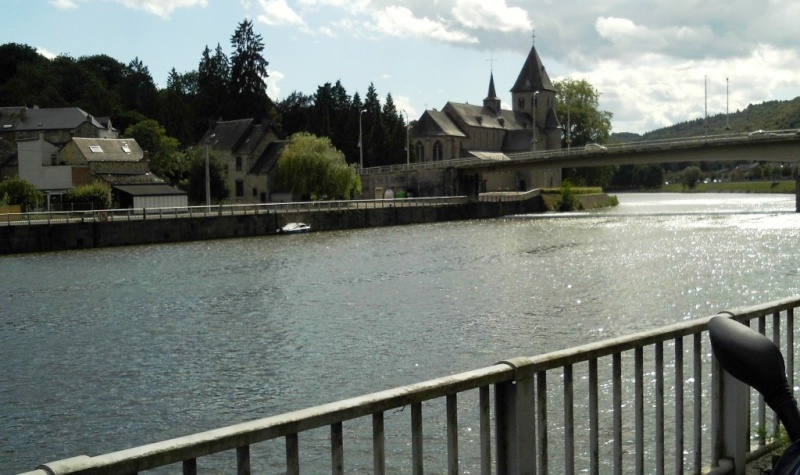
[(771, 115)]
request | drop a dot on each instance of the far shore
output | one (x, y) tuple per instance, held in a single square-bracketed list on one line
[(787, 186)]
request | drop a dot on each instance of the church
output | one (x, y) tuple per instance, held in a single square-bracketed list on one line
[(489, 132)]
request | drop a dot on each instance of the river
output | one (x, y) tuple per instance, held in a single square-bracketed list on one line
[(105, 349)]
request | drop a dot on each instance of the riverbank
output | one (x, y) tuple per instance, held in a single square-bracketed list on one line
[(788, 186)]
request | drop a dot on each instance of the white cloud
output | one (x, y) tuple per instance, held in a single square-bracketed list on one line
[(491, 15), (400, 21), (273, 89), (47, 54), (162, 8), (658, 90), (64, 4), (278, 12)]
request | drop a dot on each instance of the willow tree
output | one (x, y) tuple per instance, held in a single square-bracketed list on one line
[(311, 166)]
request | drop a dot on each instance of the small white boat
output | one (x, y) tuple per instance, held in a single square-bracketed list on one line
[(295, 228)]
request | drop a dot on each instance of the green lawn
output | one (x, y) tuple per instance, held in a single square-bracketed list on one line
[(736, 187)]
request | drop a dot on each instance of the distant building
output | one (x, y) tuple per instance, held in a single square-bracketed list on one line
[(490, 132), (249, 151), (59, 149)]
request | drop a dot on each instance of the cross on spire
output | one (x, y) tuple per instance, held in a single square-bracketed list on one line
[(533, 36), (491, 61)]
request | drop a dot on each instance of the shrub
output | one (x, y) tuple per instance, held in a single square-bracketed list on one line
[(96, 195), (17, 191)]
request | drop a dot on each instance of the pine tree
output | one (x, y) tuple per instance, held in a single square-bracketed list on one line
[(213, 77), (248, 73)]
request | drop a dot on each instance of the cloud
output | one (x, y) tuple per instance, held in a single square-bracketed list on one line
[(162, 8), (64, 4), (47, 54), (278, 12), (401, 22), (660, 90), (273, 89), (491, 15)]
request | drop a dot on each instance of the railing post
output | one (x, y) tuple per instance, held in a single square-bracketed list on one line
[(730, 407), (516, 421)]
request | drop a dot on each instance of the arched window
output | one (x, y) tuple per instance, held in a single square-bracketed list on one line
[(420, 152), (438, 152)]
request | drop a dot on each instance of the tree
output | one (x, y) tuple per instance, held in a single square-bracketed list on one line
[(166, 161), (248, 73), (690, 177), (213, 79), (311, 166), (195, 184), (579, 100), (16, 191)]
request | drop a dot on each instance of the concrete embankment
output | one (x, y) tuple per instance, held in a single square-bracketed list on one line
[(22, 238)]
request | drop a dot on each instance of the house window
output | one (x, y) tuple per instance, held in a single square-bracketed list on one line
[(53, 159), (255, 192), (96, 148), (238, 164), (125, 148), (420, 152), (239, 188), (521, 103), (438, 152)]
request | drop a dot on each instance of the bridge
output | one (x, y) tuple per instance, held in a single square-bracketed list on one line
[(651, 402), (772, 146)]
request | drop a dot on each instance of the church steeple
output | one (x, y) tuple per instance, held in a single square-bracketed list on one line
[(532, 77), (492, 102)]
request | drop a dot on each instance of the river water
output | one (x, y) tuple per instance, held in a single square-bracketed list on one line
[(102, 350)]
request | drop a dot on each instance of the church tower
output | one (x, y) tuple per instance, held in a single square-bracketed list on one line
[(534, 94)]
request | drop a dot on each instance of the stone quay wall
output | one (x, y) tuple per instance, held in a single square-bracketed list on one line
[(24, 238)]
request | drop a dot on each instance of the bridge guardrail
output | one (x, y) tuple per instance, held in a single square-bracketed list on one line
[(644, 145)]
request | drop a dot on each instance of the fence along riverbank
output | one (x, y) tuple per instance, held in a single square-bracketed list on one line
[(516, 399), (58, 231)]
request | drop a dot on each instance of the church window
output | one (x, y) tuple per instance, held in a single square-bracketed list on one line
[(438, 152), (420, 152)]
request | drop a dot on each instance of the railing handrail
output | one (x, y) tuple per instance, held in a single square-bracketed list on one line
[(284, 425), (113, 214)]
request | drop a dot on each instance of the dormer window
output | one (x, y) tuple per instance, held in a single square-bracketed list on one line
[(126, 148), (96, 148)]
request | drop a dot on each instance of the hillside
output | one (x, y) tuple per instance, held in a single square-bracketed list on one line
[(772, 115)]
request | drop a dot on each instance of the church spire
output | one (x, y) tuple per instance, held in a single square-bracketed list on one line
[(532, 77), (492, 102)]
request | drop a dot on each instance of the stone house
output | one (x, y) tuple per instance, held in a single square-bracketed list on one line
[(30, 141), (249, 151), (123, 165)]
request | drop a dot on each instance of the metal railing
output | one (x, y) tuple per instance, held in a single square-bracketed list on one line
[(621, 405), (130, 214), (640, 146)]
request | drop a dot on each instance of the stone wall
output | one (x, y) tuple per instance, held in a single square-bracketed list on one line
[(17, 238)]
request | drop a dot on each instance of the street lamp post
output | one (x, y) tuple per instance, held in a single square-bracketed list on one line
[(208, 176), (534, 120), (569, 130), (360, 140), (408, 146)]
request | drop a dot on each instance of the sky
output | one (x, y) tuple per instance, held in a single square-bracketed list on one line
[(654, 63)]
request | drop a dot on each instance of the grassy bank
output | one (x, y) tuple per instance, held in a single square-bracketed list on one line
[(735, 187)]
